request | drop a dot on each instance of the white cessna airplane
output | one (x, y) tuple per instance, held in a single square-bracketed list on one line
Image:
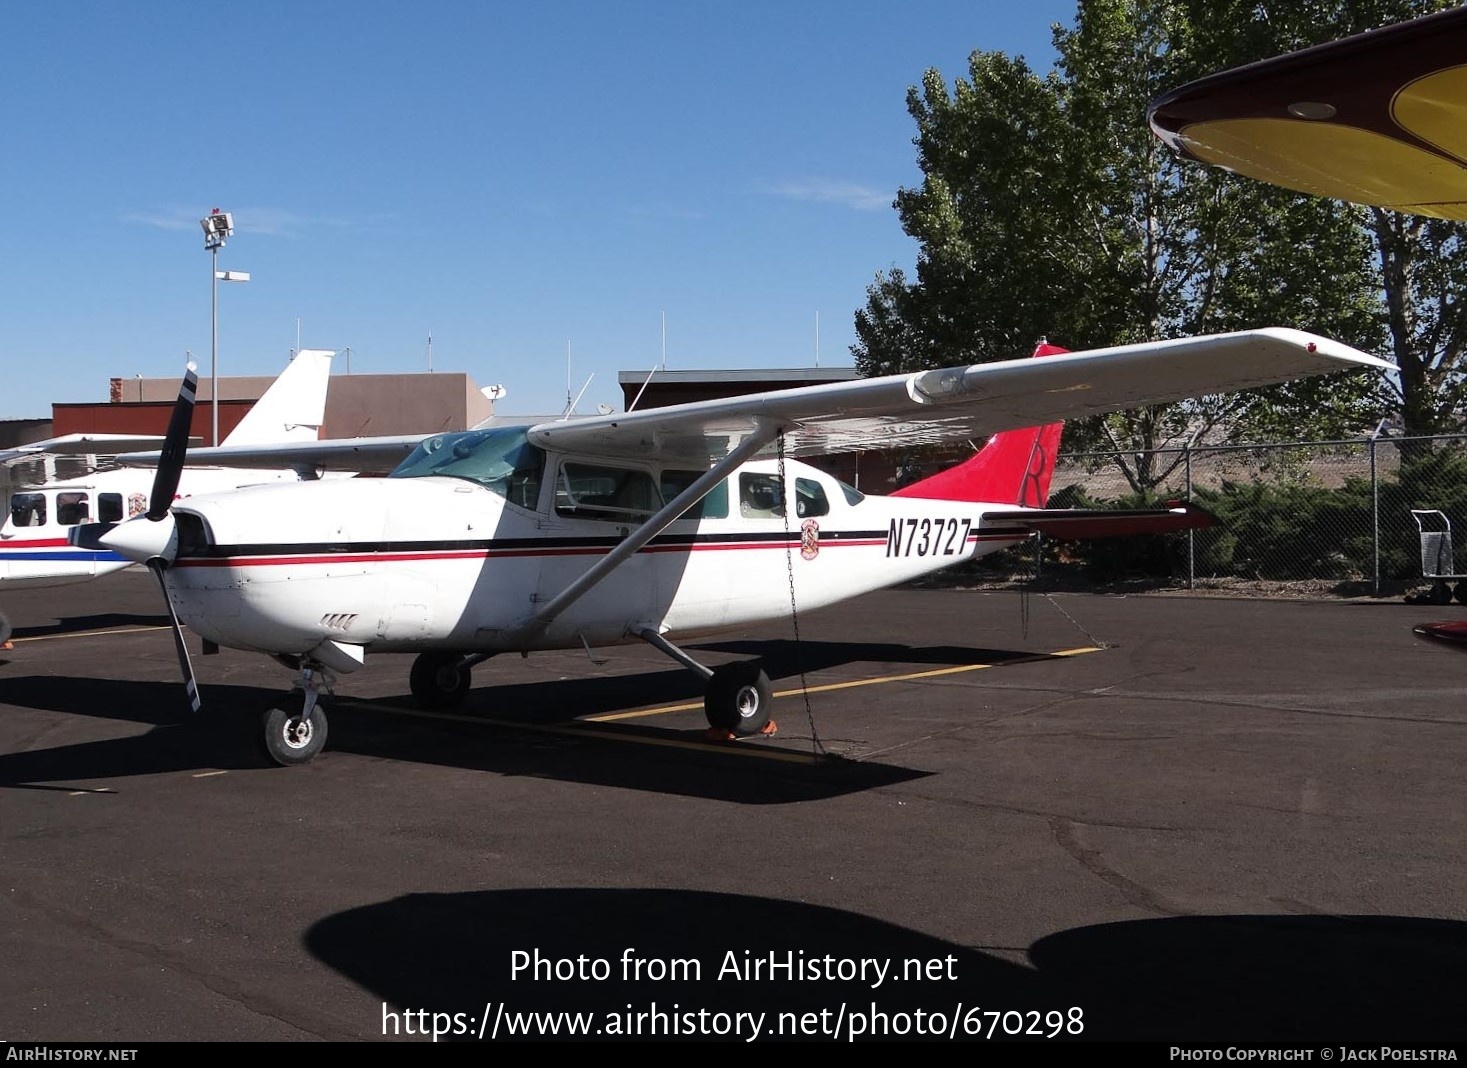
[(34, 550), (653, 526)]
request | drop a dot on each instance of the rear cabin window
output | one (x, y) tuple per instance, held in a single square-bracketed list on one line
[(714, 504), (71, 508), (611, 494), (109, 507), (28, 510), (810, 499), (760, 496)]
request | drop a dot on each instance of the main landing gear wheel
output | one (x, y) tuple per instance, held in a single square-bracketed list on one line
[(738, 699), (439, 680), (292, 738)]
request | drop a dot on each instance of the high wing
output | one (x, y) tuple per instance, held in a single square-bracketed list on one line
[(82, 445), (1379, 118), (897, 411), (959, 403)]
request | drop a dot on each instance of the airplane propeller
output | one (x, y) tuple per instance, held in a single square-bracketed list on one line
[(151, 539)]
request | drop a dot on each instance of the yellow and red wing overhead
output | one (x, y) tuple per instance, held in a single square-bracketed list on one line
[(1379, 118)]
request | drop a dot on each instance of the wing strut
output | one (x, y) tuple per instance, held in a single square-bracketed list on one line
[(762, 435)]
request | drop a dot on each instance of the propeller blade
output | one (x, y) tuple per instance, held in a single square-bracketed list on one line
[(175, 447), (190, 684), (88, 535)]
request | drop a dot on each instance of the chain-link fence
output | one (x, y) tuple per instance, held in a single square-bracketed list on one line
[(1339, 511), (1336, 512)]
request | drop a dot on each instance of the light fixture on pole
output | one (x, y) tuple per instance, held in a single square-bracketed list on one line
[(217, 226)]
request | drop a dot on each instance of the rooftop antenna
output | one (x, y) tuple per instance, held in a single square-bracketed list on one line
[(664, 346), (569, 404), (430, 350), (817, 339)]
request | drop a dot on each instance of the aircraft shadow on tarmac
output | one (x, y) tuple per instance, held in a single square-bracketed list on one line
[(785, 658), (563, 700), (1304, 979), (100, 621), (227, 736)]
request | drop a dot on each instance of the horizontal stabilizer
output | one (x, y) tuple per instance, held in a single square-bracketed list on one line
[(1078, 523)]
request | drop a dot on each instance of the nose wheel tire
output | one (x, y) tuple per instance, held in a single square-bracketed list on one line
[(439, 680), (738, 698), (291, 739)]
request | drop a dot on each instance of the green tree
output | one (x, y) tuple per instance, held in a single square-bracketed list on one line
[(1048, 208), (1420, 265)]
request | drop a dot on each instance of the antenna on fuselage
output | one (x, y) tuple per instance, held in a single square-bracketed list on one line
[(645, 384)]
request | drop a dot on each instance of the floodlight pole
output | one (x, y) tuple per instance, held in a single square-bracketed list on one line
[(214, 341), (217, 226)]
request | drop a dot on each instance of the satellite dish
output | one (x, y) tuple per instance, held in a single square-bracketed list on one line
[(605, 409), (495, 393)]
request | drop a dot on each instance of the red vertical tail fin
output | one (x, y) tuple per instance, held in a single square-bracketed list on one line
[(1014, 467)]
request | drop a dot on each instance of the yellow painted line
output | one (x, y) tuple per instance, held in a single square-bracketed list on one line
[(879, 680), (87, 634), (731, 748), (208, 774)]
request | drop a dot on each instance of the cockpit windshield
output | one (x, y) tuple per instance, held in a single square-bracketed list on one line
[(501, 460)]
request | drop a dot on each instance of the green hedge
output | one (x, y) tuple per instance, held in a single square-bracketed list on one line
[(1278, 530)]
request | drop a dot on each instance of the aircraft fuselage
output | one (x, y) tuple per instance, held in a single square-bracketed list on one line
[(414, 564)]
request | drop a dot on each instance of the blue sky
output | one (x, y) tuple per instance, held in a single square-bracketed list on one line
[(509, 178)]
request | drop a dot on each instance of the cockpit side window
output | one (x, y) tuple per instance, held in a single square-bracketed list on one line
[(28, 510), (501, 460), (714, 504), (614, 494)]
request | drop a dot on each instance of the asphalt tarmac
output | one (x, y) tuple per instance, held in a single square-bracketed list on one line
[(995, 816)]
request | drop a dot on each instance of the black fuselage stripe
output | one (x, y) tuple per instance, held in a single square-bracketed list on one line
[(547, 545)]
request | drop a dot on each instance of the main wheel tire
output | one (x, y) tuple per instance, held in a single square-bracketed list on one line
[(738, 698), (438, 681), (290, 739), (1440, 593)]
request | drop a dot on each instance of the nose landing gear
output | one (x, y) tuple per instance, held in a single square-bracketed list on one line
[(294, 738)]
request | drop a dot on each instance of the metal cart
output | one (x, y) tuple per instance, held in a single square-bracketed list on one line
[(1437, 564)]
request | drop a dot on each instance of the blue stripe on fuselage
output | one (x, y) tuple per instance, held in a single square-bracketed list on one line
[(74, 556)]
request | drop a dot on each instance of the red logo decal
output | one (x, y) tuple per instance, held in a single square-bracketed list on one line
[(809, 539)]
